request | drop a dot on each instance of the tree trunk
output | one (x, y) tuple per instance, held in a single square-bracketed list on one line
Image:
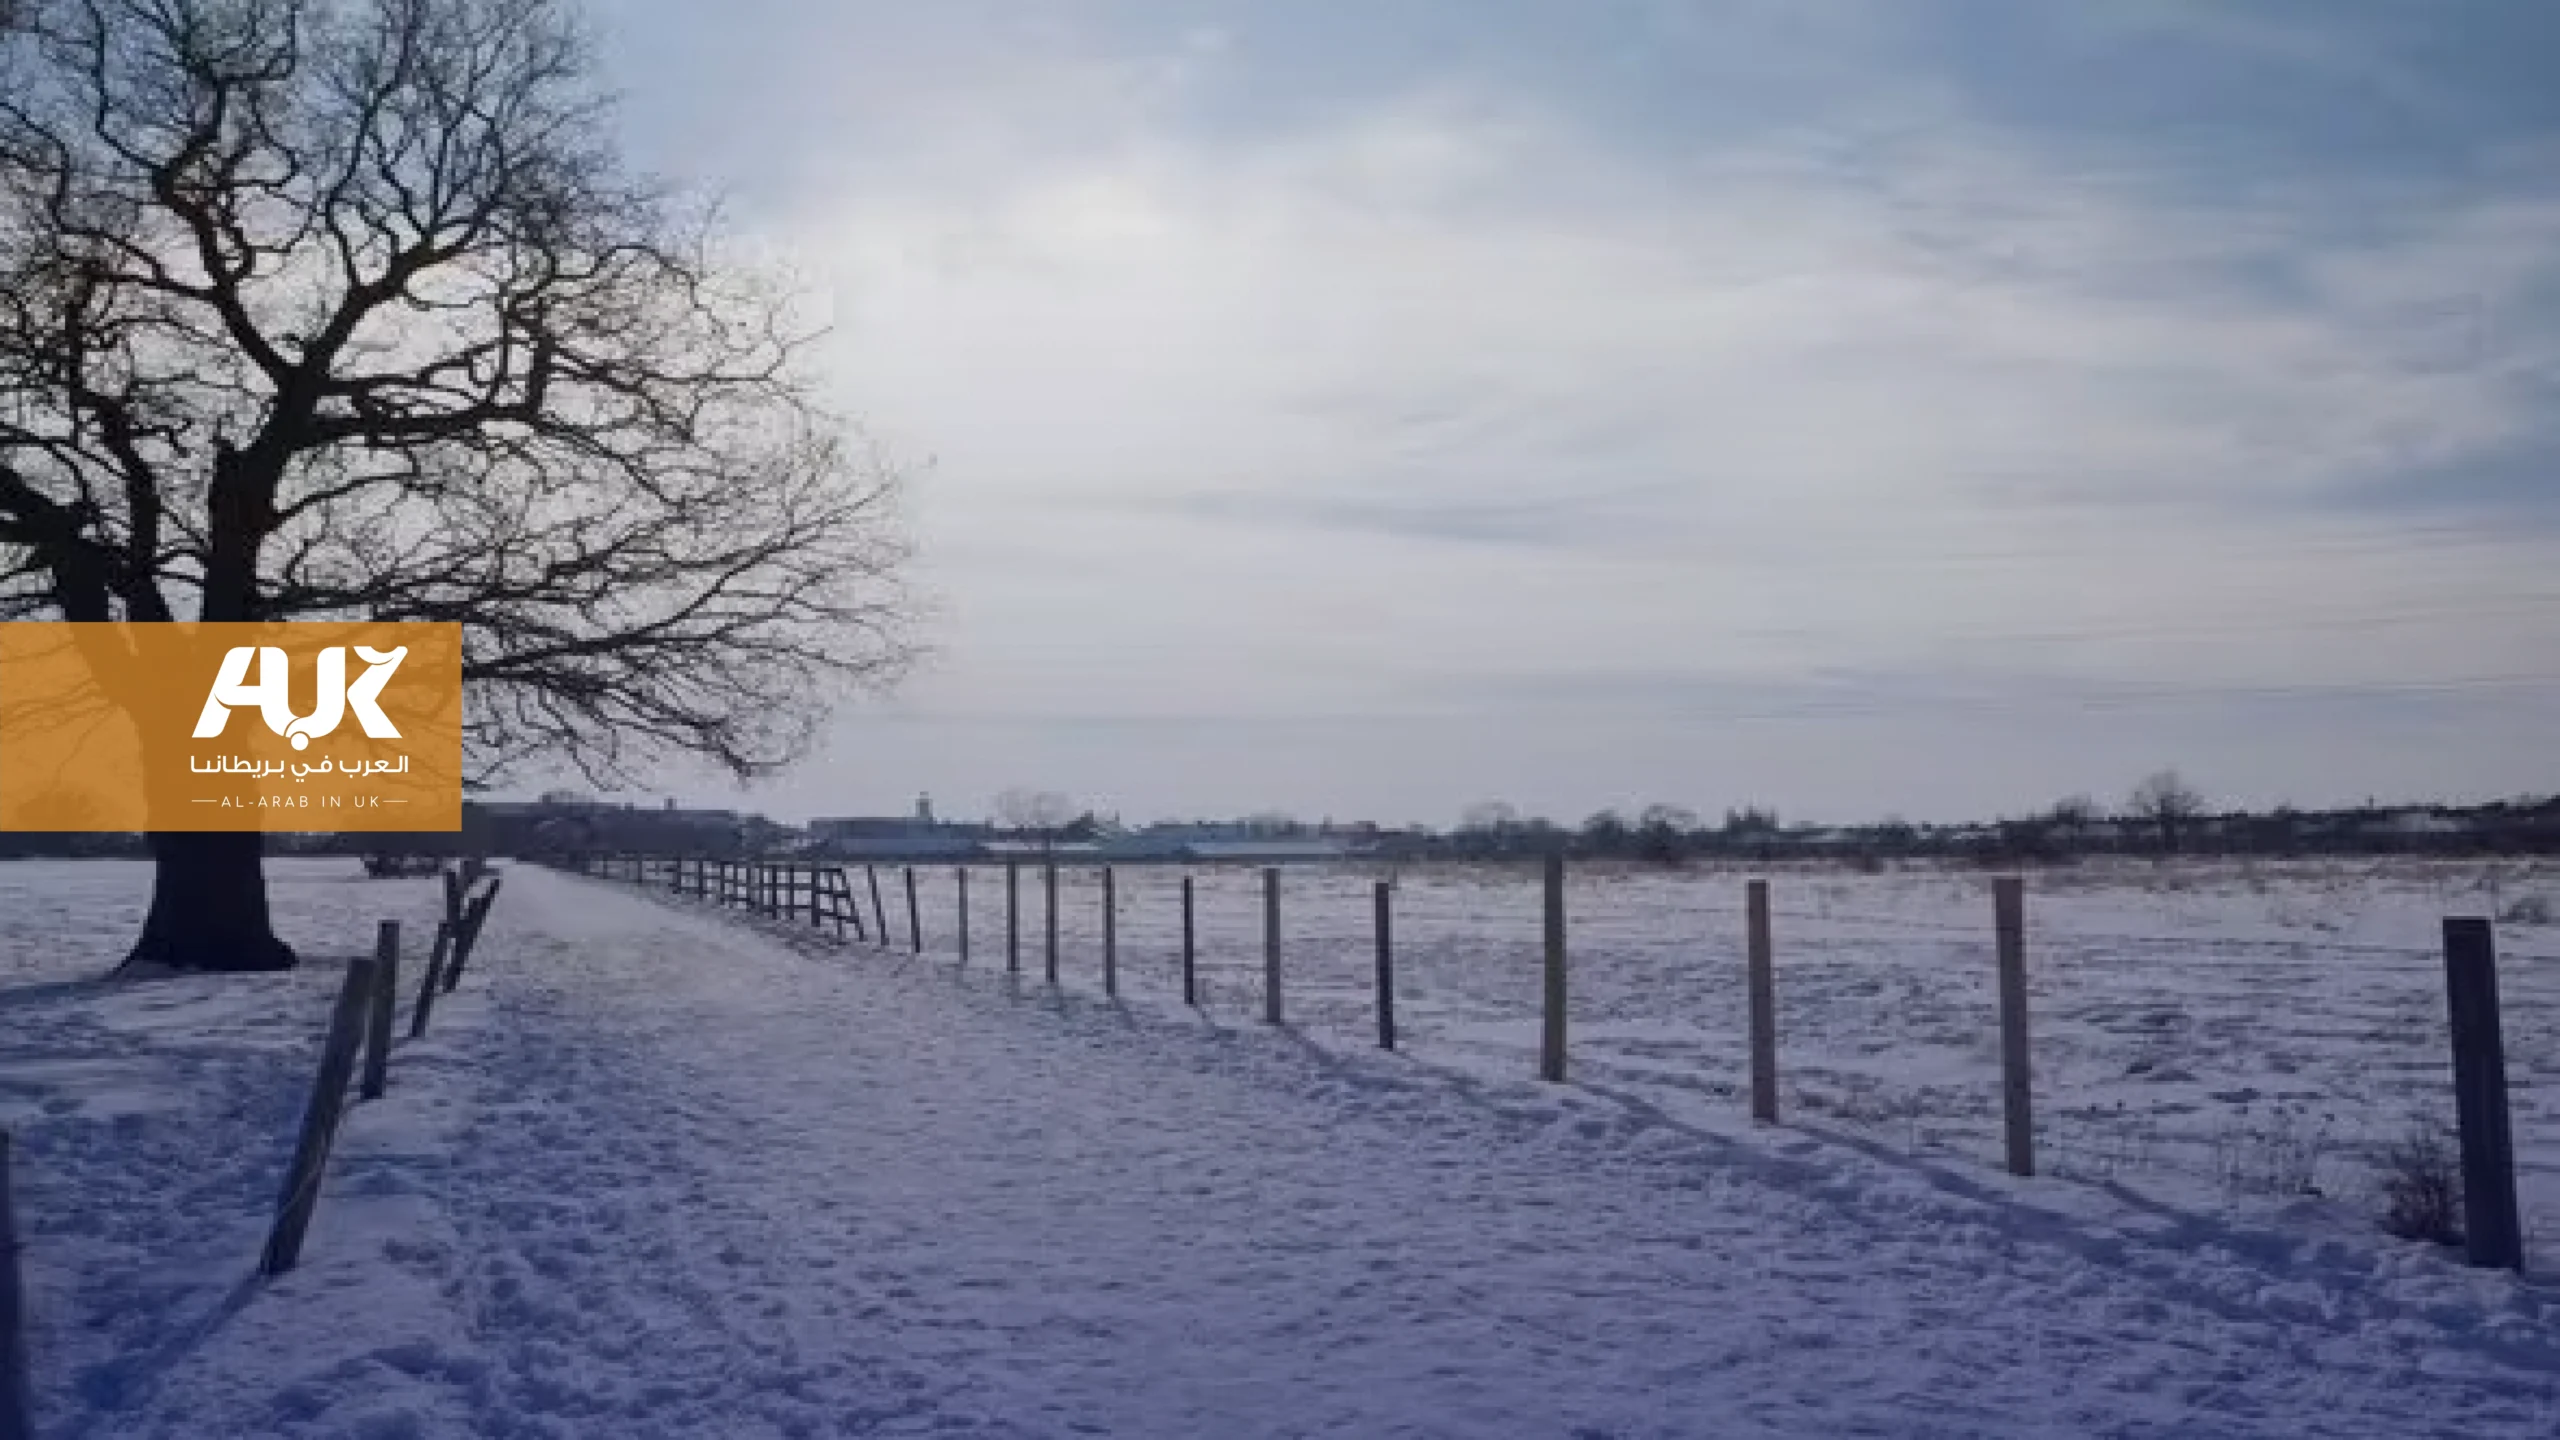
[(209, 905)]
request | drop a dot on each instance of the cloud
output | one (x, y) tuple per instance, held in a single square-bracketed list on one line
[(1447, 319), (1276, 370)]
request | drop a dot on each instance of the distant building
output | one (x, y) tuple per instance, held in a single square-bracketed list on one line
[(1014, 848), (2420, 822), (566, 822), (896, 837), (1240, 852)]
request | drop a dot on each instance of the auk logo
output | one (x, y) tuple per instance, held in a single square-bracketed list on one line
[(273, 699), (292, 726)]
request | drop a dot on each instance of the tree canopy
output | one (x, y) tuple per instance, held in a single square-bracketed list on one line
[(349, 309)]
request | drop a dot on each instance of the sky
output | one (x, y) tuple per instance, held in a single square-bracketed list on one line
[(1928, 408)]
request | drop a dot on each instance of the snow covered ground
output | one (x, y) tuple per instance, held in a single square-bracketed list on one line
[(2230, 1038), (669, 1172)]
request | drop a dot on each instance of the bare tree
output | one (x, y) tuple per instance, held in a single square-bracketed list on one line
[(347, 309), (1662, 831), (2167, 801), (1044, 813), (2073, 814), (1607, 832), (1678, 819), (1272, 825)]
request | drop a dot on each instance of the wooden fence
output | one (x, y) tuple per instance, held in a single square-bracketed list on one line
[(360, 1029), (821, 895), (362, 1020)]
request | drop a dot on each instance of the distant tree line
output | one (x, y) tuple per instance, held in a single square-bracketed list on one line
[(2163, 815)]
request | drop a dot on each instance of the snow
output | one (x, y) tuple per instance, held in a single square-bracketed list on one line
[(664, 1171), (2218, 1037)]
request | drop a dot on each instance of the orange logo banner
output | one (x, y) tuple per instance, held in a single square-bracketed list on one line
[(302, 726)]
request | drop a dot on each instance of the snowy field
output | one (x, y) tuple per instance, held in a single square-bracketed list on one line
[(151, 1123), (666, 1172), (2221, 1036)]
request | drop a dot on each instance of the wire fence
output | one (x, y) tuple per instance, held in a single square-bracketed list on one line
[(2272, 1037)]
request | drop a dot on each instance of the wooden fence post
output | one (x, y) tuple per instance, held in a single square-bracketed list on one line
[(2017, 1085), (385, 1000), (319, 1122), (465, 936), (1763, 987), (1386, 970), (847, 906), (2492, 1236), (915, 921), (427, 985), (1049, 879), (15, 1422), (1190, 973), (1552, 1041), (1013, 917), (1271, 944), (879, 912), (960, 873), (468, 938), (1110, 933)]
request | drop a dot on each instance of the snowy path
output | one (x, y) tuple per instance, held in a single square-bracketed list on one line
[(719, 1182)]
